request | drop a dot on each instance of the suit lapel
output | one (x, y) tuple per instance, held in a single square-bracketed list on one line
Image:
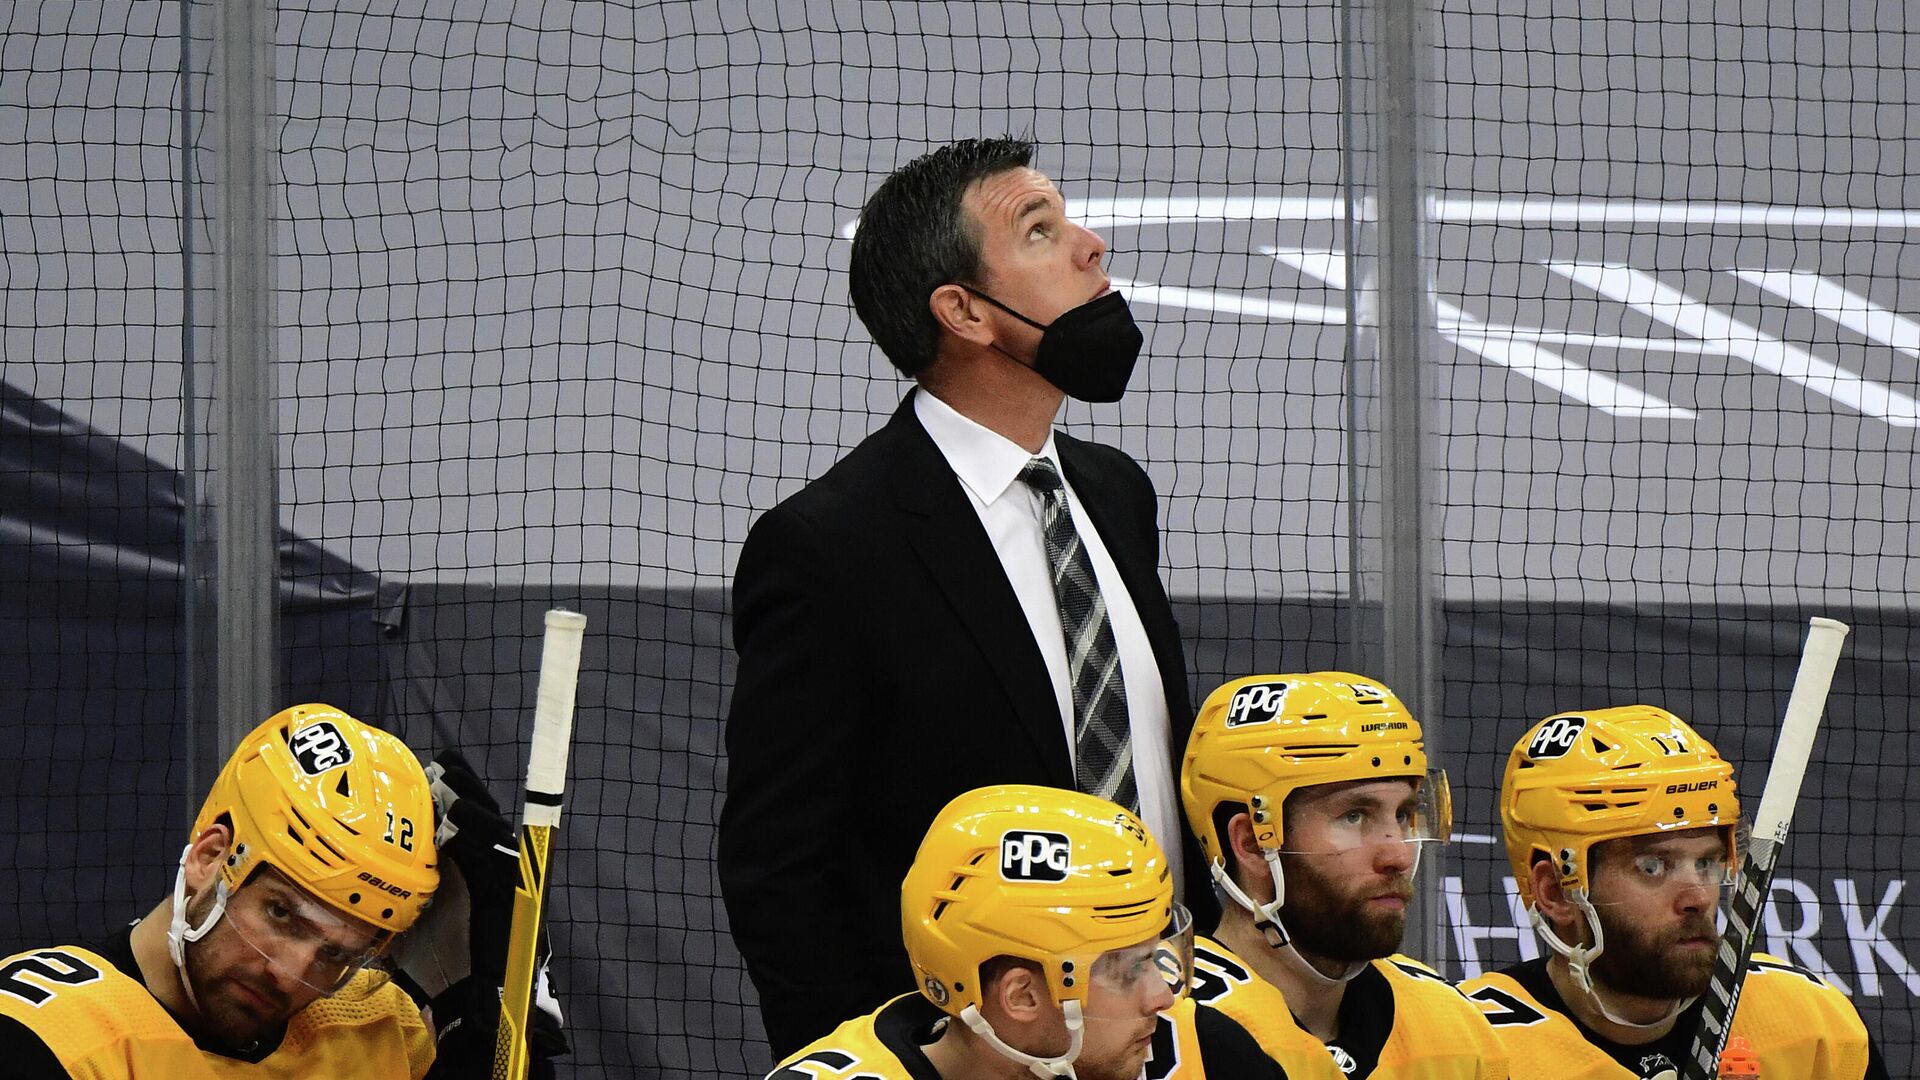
[(940, 523)]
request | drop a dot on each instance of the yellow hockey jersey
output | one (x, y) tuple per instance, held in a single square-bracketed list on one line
[(888, 1044), (74, 1012), (1398, 1019), (1799, 1027)]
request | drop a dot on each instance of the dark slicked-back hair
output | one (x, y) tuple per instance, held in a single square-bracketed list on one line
[(914, 237)]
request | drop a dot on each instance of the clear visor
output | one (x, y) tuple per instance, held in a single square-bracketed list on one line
[(304, 940), (1373, 813), (1664, 869), (1141, 979)]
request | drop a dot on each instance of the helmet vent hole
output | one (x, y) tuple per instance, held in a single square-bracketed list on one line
[(297, 838), (1376, 763), (353, 898), (939, 909), (386, 913), (323, 843), (1600, 747), (1315, 716), (345, 789)]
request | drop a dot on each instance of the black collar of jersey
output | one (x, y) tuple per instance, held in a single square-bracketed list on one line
[(1673, 1046), (1365, 1019), (118, 951)]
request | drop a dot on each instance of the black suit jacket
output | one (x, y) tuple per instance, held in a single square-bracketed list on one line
[(886, 667)]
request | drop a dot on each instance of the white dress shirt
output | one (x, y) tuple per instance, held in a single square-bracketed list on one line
[(988, 465)]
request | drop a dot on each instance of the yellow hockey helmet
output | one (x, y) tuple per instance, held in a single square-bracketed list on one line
[(1259, 739), (1576, 779), (1052, 877), (342, 809)]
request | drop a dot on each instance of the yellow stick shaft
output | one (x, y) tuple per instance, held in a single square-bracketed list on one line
[(516, 995)]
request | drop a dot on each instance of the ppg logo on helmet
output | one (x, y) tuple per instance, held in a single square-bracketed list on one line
[(319, 746), (1035, 856), (1256, 704), (1555, 739)]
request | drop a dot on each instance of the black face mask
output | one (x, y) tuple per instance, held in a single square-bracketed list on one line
[(1089, 351)]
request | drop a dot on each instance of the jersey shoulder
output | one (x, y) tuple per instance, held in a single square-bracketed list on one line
[(1224, 982), (858, 1049), (1539, 1041), (364, 1031), (96, 1020), (1194, 1041), (1798, 1023), (1436, 1030)]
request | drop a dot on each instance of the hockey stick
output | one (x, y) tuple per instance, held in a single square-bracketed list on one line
[(1769, 837), (539, 817)]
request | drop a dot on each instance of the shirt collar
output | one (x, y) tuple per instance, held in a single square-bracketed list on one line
[(986, 461)]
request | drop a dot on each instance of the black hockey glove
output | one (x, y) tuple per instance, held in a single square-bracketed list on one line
[(460, 958)]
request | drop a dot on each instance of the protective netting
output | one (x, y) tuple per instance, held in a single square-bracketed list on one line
[(563, 308)]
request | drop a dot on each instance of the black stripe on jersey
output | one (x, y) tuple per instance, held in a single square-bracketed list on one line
[(1228, 1050), (1366, 1021), (26, 1054)]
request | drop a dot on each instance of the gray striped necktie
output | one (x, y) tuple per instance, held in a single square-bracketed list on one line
[(1103, 750)]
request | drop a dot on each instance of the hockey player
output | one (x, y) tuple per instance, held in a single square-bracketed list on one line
[(1311, 798), (313, 851), (1621, 826), (1043, 929)]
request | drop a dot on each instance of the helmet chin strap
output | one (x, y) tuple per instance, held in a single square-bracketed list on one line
[(1266, 919), (1044, 1068), (179, 933), (1580, 960)]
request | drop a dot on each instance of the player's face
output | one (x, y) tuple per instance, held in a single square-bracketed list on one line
[(1656, 897), (1033, 259), (1124, 998), (274, 951), (1349, 858)]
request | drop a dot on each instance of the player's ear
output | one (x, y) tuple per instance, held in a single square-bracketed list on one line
[(1550, 898), (1020, 993), (1247, 858), (205, 855), (961, 314)]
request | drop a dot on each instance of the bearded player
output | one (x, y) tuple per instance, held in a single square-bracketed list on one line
[(1622, 829), (1312, 798), (1043, 929), (313, 852)]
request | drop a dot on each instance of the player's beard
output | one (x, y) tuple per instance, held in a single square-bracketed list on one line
[(1647, 963), (1336, 923), (230, 1016)]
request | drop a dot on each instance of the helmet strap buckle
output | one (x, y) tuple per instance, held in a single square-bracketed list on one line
[(179, 933)]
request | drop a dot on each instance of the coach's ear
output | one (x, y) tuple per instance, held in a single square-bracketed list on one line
[(961, 314)]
